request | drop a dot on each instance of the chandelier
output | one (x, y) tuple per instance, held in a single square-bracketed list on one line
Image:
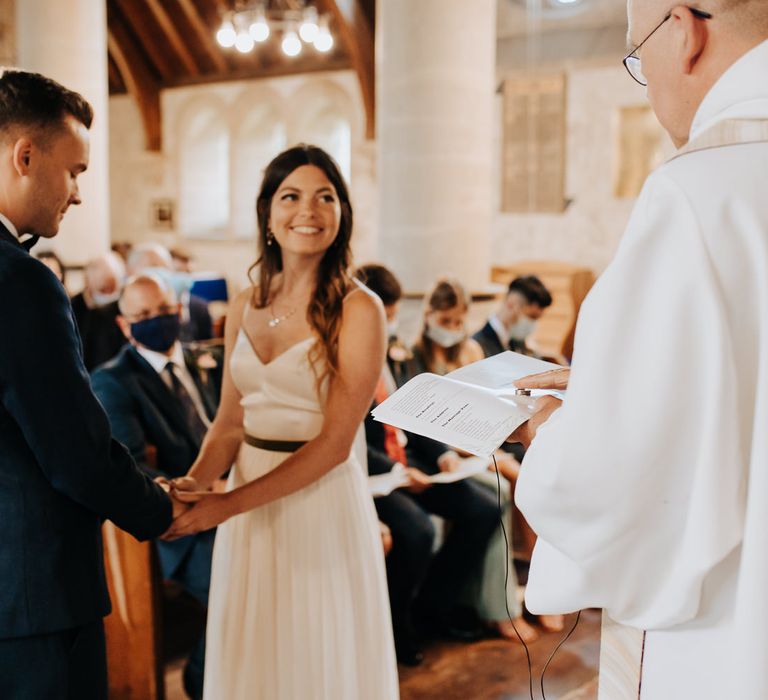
[(251, 24)]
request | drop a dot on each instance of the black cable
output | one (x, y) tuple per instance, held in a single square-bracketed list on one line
[(506, 602), (506, 580), (556, 649)]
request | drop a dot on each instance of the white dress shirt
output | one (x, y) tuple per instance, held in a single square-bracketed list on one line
[(159, 361), (501, 330)]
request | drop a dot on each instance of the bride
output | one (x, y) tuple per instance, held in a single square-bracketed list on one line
[(298, 603)]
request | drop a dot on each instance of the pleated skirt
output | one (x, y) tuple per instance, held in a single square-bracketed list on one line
[(298, 604)]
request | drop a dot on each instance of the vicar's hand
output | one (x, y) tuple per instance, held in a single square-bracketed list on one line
[(211, 510), (543, 409), (554, 379)]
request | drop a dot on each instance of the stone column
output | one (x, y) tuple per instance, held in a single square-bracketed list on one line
[(435, 68), (67, 40)]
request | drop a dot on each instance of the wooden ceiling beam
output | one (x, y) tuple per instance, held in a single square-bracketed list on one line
[(357, 34), (136, 18), (176, 41), (204, 34), (276, 71), (139, 81)]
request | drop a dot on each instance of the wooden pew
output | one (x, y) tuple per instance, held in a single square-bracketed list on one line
[(133, 629)]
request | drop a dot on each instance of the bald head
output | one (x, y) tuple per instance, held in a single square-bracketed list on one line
[(688, 53), (144, 292), (149, 255), (104, 277)]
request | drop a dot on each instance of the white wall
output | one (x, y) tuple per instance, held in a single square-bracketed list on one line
[(588, 232), (288, 111)]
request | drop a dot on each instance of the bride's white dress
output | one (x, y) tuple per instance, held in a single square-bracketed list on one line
[(298, 605)]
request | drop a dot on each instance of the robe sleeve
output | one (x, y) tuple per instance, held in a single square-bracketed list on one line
[(636, 485)]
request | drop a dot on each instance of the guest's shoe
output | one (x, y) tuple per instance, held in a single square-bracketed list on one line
[(192, 683), (408, 653), (463, 625)]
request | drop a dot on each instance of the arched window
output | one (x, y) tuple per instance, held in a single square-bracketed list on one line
[(259, 138), (325, 122), (203, 149)]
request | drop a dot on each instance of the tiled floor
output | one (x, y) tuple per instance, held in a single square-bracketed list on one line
[(491, 669)]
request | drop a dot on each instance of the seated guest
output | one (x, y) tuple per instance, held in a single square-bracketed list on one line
[(516, 317), (53, 262), (196, 323), (444, 344), (471, 511), (96, 311), (157, 394), (443, 347)]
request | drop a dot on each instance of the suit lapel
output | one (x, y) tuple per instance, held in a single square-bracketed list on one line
[(157, 391)]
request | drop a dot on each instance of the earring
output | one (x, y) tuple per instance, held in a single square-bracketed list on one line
[(270, 238)]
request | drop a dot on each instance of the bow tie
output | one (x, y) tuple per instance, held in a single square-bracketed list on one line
[(27, 245)]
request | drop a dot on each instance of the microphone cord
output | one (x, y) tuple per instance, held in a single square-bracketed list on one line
[(506, 600)]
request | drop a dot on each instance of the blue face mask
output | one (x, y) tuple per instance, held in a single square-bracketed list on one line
[(158, 333)]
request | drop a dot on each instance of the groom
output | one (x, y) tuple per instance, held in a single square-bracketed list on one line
[(61, 473)]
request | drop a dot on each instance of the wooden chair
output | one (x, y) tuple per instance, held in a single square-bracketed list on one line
[(569, 285)]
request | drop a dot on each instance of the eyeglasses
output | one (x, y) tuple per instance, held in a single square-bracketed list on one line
[(164, 310), (632, 60)]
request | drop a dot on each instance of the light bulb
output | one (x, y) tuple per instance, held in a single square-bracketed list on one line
[(226, 35), (308, 31), (324, 40), (244, 42), (259, 29), (291, 44)]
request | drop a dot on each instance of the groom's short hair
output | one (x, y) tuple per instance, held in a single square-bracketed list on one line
[(33, 101)]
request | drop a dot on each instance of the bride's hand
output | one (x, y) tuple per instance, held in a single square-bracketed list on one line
[(210, 510)]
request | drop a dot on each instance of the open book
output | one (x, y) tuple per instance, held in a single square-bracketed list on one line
[(473, 409)]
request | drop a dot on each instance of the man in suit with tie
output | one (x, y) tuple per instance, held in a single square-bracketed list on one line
[(157, 394), (61, 473), (516, 317)]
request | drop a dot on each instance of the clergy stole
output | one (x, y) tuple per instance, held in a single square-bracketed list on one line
[(621, 647)]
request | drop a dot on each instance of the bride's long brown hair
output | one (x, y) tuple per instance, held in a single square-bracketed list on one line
[(333, 281)]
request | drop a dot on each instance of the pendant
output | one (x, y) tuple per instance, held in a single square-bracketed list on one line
[(273, 322)]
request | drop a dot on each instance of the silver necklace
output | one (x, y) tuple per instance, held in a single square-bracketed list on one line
[(277, 320)]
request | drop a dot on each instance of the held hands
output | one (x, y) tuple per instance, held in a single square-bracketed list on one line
[(199, 509)]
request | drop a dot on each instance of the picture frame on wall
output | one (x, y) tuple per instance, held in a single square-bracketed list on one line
[(163, 214)]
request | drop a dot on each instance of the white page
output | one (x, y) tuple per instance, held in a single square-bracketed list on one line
[(469, 467), (499, 372), (397, 477), (384, 484), (469, 418)]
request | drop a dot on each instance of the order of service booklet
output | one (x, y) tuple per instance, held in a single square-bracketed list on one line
[(474, 408)]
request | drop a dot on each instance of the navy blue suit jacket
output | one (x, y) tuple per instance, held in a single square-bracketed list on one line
[(491, 345), (61, 473), (142, 410)]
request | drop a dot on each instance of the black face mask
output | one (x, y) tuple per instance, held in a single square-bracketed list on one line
[(158, 333)]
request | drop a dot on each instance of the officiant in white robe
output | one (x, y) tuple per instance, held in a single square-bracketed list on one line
[(648, 487)]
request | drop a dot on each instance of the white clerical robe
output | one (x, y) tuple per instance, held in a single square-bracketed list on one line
[(648, 488)]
